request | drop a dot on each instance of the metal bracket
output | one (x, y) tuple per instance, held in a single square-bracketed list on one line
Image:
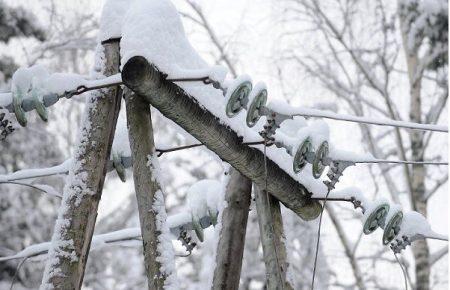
[(186, 241), (119, 166), (398, 245), (337, 168), (6, 127)]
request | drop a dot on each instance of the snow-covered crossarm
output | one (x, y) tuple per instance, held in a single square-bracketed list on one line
[(177, 224), (171, 100)]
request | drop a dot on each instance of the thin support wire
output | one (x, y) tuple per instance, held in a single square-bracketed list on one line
[(403, 271), (17, 273), (318, 239)]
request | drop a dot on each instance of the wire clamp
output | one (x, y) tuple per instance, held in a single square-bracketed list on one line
[(400, 244), (186, 241), (337, 168)]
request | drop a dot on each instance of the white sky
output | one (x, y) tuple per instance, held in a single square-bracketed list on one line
[(248, 26)]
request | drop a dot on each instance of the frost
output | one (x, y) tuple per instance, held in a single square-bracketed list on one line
[(165, 249), (153, 163), (76, 186)]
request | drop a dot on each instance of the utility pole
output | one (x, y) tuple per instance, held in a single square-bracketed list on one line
[(78, 212)]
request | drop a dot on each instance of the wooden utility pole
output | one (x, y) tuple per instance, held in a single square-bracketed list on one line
[(146, 183), (146, 81), (78, 212), (230, 248), (272, 240)]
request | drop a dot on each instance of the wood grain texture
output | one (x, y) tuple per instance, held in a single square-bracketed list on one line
[(230, 248), (145, 80)]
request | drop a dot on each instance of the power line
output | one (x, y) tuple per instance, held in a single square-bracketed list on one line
[(364, 120), (397, 162), (318, 238), (403, 271)]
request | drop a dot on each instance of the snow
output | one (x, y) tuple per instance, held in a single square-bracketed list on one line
[(153, 29), (38, 172), (204, 196), (24, 78), (38, 80), (347, 193), (370, 207), (231, 85), (393, 209), (101, 240), (422, 16), (415, 226), (121, 142), (76, 185), (166, 255), (112, 17)]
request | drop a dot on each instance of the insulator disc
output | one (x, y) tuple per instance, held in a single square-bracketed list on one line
[(392, 227), (237, 98), (376, 218), (300, 156), (39, 107), (253, 114), (18, 110), (318, 166), (198, 229)]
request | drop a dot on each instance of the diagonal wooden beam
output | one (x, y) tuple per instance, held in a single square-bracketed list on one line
[(174, 103), (146, 184)]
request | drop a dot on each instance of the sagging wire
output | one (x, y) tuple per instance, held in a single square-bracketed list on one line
[(403, 270), (318, 239), (362, 120), (16, 273), (378, 161), (173, 149), (28, 185)]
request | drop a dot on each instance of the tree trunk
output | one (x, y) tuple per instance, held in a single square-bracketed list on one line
[(418, 201), (272, 239), (230, 248), (145, 80), (146, 184), (78, 212)]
